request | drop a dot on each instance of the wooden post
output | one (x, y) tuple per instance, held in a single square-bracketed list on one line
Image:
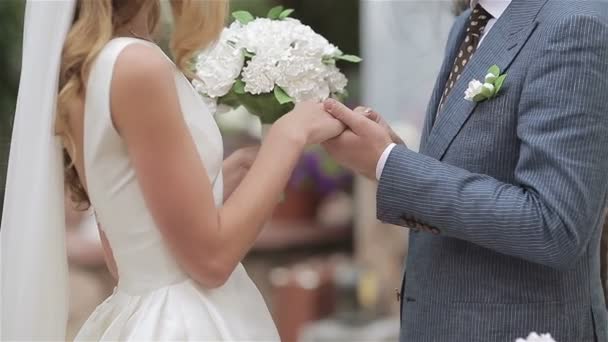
[(380, 248)]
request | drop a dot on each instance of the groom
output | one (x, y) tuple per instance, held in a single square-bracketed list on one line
[(505, 198)]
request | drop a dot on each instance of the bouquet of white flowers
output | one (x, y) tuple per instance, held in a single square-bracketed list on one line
[(269, 64)]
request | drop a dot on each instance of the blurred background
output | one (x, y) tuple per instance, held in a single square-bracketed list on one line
[(327, 268)]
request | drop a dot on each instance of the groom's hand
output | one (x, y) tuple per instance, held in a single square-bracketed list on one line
[(374, 116), (359, 148)]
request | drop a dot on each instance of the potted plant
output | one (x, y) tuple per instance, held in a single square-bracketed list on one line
[(315, 177)]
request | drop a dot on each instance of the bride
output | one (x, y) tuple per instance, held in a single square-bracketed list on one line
[(140, 147)]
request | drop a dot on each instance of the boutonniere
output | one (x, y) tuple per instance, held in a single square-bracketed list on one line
[(479, 92)]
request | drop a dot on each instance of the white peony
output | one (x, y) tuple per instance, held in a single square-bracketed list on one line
[(337, 81), (289, 55), (266, 53), (260, 75), (534, 337), (303, 77), (218, 68)]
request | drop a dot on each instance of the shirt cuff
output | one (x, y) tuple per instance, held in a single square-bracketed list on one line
[(383, 159)]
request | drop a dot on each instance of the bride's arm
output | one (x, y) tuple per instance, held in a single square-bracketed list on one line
[(207, 241)]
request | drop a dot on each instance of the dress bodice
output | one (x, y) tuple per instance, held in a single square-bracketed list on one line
[(142, 258), (155, 300)]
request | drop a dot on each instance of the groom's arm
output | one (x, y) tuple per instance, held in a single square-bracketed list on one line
[(555, 204)]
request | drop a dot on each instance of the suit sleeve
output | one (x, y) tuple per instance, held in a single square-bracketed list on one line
[(555, 205)]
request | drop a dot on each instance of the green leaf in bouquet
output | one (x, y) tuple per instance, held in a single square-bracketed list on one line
[(286, 13), (239, 87), (275, 12), (248, 54), (328, 60), (231, 99), (342, 96), (265, 106), (243, 17), (282, 96), (350, 58)]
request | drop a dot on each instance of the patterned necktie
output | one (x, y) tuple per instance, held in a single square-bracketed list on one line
[(477, 23)]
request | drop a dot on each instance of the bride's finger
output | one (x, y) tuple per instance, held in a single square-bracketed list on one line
[(368, 113), (338, 125), (353, 120)]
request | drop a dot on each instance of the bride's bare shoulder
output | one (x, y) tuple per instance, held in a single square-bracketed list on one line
[(143, 77), (140, 66)]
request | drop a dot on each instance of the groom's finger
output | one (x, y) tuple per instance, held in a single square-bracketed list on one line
[(355, 121)]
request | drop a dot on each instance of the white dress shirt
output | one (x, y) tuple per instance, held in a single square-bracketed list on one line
[(496, 8)]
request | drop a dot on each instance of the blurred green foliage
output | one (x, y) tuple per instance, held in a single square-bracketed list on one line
[(258, 8), (338, 21), (11, 26), (11, 23)]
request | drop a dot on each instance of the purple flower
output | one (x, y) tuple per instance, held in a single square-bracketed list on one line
[(318, 172)]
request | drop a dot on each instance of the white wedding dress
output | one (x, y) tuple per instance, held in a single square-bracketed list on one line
[(155, 300)]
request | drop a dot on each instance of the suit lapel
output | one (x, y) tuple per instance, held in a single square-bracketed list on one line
[(500, 47), (453, 46)]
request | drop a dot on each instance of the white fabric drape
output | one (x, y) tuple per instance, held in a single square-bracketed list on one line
[(32, 237)]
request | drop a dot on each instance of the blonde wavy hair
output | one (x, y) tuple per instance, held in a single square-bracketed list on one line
[(197, 23)]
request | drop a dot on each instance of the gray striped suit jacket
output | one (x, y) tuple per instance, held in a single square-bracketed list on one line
[(516, 185)]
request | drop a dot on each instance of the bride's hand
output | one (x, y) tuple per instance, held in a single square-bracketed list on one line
[(236, 167), (310, 124)]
